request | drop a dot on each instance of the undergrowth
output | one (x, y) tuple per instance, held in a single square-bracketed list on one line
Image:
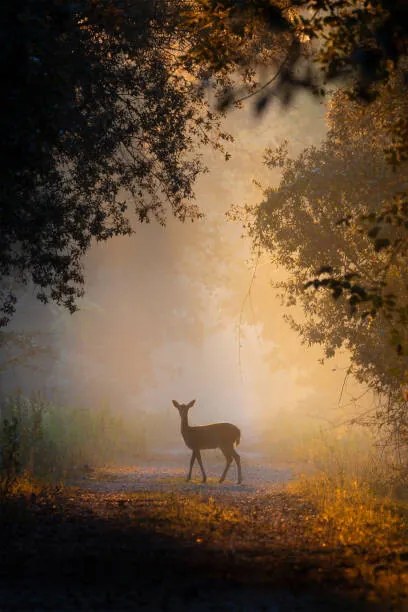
[(369, 531), (43, 441)]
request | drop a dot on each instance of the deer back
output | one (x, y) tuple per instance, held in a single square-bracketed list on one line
[(216, 435)]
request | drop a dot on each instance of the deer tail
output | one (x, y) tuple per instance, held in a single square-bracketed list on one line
[(238, 437)]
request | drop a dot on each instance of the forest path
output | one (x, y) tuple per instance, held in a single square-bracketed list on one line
[(164, 473), (140, 538), (237, 547)]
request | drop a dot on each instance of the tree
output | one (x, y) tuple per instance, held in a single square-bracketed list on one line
[(323, 40), (301, 225), (107, 101), (100, 109)]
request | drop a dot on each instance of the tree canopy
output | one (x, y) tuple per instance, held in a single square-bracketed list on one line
[(329, 215), (100, 111), (107, 101)]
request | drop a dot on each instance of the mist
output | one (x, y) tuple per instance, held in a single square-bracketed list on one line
[(203, 306), (186, 311)]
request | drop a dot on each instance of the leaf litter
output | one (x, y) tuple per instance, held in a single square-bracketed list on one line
[(140, 537)]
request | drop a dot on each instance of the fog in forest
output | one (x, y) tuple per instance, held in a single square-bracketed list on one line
[(187, 311), (204, 306)]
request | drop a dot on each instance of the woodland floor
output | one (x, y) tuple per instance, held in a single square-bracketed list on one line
[(140, 538)]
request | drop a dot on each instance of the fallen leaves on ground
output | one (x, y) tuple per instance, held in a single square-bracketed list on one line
[(278, 537)]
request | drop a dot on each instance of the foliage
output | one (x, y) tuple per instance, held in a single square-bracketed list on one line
[(324, 40), (46, 441), (359, 502), (106, 102), (370, 532), (301, 225), (100, 111), (348, 511), (349, 453), (386, 223), (340, 446), (238, 38)]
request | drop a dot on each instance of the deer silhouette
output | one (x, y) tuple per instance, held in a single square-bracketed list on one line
[(216, 435)]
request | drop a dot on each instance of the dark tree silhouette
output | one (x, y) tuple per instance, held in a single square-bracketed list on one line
[(99, 110), (105, 102)]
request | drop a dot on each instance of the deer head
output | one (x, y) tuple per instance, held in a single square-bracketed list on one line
[(183, 408)]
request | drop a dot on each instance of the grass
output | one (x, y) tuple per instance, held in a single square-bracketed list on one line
[(52, 442), (310, 536), (369, 532), (204, 519), (344, 536), (327, 531)]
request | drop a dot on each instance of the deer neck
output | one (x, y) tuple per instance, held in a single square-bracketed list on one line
[(185, 427)]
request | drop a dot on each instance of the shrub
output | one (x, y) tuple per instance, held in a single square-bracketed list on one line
[(49, 442)]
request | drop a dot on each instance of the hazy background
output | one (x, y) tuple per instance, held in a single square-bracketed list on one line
[(172, 313)]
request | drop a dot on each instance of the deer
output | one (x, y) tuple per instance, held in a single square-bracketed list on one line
[(216, 435)]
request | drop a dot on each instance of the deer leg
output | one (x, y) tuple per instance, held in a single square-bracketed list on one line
[(238, 462), (200, 463), (193, 458), (228, 457)]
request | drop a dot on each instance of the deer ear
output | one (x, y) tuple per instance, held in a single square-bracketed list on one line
[(176, 404), (191, 403)]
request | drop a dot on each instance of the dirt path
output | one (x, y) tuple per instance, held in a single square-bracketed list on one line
[(162, 474), (140, 538)]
